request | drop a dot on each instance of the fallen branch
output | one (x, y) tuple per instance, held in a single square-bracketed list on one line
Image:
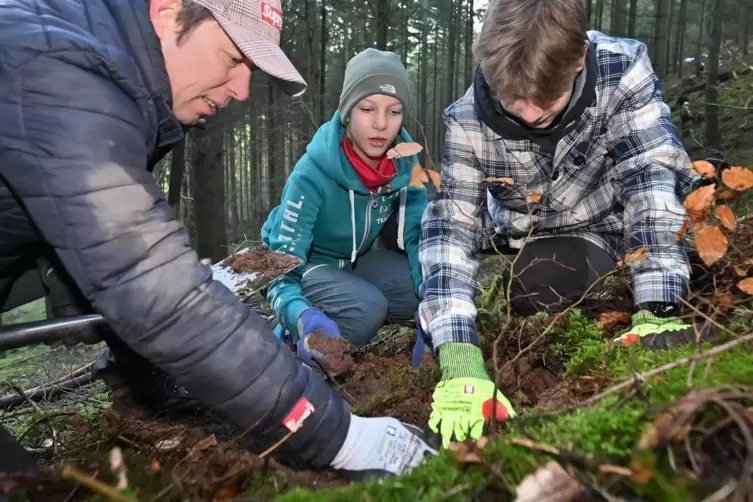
[(94, 485), (643, 376), (37, 394)]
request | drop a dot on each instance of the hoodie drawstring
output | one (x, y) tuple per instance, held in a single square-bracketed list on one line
[(401, 218), (354, 253)]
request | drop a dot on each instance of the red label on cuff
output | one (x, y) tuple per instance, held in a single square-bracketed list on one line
[(300, 412)]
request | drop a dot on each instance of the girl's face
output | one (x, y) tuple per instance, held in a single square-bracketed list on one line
[(374, 123)]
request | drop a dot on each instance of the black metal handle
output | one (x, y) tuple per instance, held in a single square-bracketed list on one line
[(51, 330)]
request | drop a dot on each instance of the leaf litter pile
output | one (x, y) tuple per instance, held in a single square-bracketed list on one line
[(596, 421)]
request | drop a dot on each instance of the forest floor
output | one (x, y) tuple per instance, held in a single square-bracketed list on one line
[(596, 421)]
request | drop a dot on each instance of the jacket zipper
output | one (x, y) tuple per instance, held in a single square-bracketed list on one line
[(372, 198)]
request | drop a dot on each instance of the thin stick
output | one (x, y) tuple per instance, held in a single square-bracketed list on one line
[(94, 485), (276, 445)]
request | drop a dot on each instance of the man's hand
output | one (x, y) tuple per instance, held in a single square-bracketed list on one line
[(310, 322), (656, 332), (462, 401)]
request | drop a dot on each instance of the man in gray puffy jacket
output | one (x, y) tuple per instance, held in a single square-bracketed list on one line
[(92, 94)]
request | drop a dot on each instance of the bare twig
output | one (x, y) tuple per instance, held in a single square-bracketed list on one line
[(94, 485)]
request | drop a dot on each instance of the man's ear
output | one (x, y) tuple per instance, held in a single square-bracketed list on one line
[(582, 60), (164, 15)]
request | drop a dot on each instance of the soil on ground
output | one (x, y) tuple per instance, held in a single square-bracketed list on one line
[(335, 350), (261, 260)]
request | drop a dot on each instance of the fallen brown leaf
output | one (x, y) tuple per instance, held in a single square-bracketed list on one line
[(726, 194), (466, 454), (746, 285), (639, 254), (641, 472), (506, 181), (738, 178), (740, 271), (698, 204), (551, 483), (608, 319), (683, 231), (703, 168), (711, 244), (534, 196), (195, 452), (404, 150), (726, 217), (228, 491), (418, 177)]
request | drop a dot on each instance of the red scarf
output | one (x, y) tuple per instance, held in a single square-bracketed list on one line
[(370, 177)]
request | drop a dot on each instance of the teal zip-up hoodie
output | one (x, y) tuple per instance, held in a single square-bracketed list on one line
[(327, 216)]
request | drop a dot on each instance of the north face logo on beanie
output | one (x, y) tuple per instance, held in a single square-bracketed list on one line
[(388, 88)]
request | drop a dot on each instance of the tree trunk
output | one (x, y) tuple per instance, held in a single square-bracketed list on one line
[(713, 136), (209, 195), (620, 18), (323, 64), (661, 31), (632, 17), (699, 45), (382, 22), (682, 23)]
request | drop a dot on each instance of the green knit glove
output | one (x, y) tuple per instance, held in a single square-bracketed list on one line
[(657, 332), (462, 401)]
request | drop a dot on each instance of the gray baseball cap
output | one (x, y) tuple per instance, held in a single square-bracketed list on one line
[(255, 27)]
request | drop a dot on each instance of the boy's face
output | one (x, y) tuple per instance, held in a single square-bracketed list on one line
[(206, 69), (535, 116), (374, 123)]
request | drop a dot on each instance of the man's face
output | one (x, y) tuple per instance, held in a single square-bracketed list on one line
[(206, 69), (374, 123)]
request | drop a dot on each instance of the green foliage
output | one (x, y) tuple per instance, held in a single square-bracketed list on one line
[(580, 342), (32, 311)]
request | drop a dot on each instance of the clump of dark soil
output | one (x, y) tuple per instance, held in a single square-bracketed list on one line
[(335, 350), (270, 264)]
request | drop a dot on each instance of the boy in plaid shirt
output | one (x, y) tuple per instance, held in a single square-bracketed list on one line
[(562, 151)]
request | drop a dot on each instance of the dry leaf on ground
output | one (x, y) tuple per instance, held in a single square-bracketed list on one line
[(506, 181), (404, 150), (698, 204), (711, 244), (740, 271), (738, 178), (639, 254), (726, 217), (195, 453), (703, 168), (534, 196), (746, 285), (609, 319), (551, 483), (467, 454)]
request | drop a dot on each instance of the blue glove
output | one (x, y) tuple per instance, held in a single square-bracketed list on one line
[(309, 322), (419, 349)]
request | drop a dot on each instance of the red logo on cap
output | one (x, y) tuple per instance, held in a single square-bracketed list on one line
[(300, 412), (271, 16)]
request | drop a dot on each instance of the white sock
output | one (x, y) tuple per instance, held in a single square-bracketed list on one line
[(381, 444)]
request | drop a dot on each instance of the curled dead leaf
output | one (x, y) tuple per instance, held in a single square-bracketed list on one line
[(466, 453), (551, 483), (195, 452), (726, 217), (738, 178), (506, 181), (404, 150), (639, 254), (683, 230), (740, 271), (420, 177), (609, 319), (746, 285), (703, 168), (534, 196), (698, 204), (711, 244)]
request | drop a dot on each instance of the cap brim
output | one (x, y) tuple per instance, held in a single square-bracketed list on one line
[(267, 56)]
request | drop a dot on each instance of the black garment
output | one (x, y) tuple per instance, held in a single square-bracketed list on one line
[(86, 111), (552, 273)]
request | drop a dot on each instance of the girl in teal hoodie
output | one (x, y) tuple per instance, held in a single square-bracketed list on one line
[(335, 204)]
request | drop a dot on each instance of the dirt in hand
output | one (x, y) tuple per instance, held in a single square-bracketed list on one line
[(336, 350), (269, 264)]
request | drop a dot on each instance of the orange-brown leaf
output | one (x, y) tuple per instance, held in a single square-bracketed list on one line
[(703, 168), (740, 271), (639, 254), (434, 177), (609, 319), (228, 491), (698, 203), (726, 194), (711, 244), (534, 196), (683, 231), (506, 181), (726, 217), (404, 150), (738, 178), (746, 285), (418, 177), (466, 454)]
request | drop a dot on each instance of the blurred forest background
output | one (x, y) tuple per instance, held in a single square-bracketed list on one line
[(225, 178)]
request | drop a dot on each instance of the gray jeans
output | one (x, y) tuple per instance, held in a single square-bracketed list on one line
[(380, 285)]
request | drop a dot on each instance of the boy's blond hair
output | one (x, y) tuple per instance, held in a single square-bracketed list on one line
[(530, 49)]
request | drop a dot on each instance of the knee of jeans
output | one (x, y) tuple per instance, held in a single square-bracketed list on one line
[(364, 321)]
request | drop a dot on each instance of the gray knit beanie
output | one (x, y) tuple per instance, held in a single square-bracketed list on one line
[(373, 72)]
